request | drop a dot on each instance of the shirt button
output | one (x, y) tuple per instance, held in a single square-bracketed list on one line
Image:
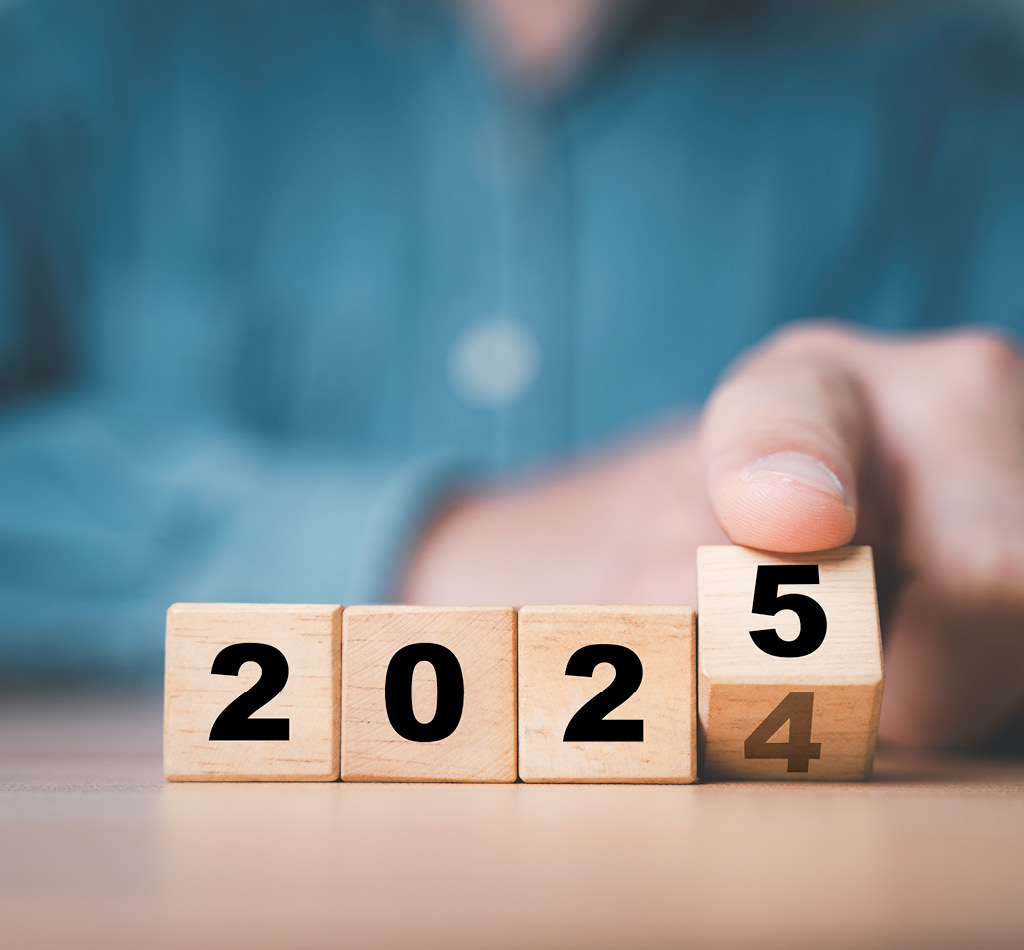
[(493, 363)]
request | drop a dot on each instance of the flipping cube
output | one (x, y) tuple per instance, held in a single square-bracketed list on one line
[(790, 664)]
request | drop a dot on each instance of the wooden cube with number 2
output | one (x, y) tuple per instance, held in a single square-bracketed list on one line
[(251, 692), (790, 664), (606, 694)]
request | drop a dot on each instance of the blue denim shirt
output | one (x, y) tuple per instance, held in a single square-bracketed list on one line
[(276, 276)]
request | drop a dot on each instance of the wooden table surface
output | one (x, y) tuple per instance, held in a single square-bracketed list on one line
[(97, 850)]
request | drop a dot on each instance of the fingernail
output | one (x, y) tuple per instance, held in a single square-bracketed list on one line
[(797, 467)]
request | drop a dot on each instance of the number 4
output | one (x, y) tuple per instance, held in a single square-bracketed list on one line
[(797, 709)]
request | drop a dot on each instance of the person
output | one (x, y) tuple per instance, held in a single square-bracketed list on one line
[(512, 301)]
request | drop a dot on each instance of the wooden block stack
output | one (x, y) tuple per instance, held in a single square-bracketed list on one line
[(786, 645)]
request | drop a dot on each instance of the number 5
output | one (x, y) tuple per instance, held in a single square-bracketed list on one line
[(768, 600)]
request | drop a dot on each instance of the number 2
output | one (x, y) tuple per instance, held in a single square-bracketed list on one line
[(798, 709), (589, 723), (235, 722)]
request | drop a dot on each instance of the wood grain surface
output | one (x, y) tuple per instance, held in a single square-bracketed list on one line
[(97, 850)]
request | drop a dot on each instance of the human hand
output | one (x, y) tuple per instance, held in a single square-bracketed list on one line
[(820, 437), (915, 445), (622, 528)]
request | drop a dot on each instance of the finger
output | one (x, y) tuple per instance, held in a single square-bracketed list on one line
[(783, 439), (955, 642), (952, 668)]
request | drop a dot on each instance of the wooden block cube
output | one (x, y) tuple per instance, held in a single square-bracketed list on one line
[(428, 694), (607, 694), (788, 644), (251, 692)]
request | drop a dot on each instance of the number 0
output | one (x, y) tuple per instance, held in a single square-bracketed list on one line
[(451, 692)]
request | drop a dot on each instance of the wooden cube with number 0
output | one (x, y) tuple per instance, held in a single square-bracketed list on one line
[(428, 694), (251, 692), (790, 664), (607, 694)]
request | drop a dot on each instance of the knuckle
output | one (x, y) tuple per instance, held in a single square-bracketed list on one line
[(987, 362), (985, 567), (801, 336)]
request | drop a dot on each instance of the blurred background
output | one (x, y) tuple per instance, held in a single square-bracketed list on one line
[(278, 280)]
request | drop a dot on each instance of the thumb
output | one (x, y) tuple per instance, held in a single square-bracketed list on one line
[(782, 440)]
